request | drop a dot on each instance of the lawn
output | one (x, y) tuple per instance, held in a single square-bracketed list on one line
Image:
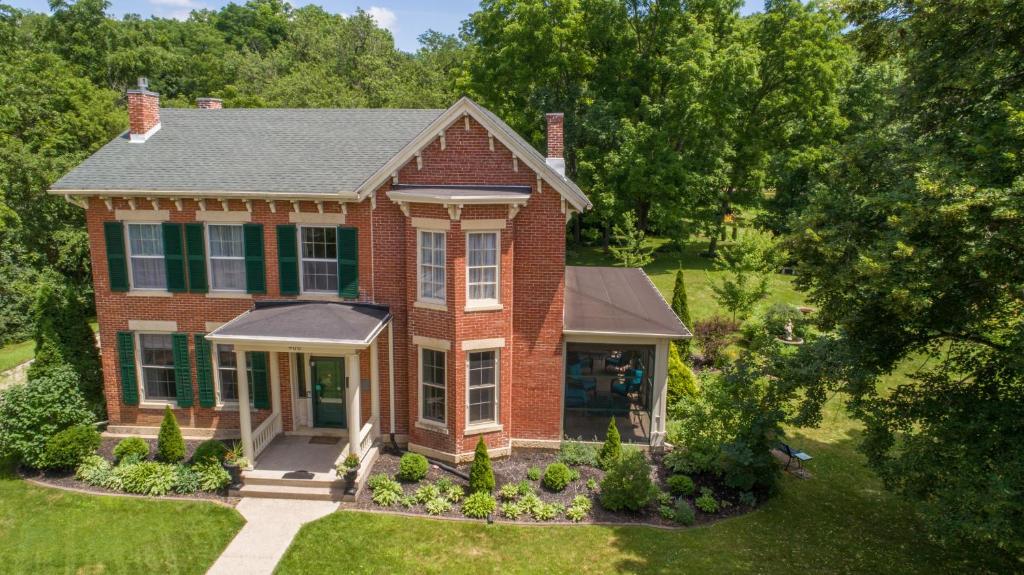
[(16, 354), (50, 531)]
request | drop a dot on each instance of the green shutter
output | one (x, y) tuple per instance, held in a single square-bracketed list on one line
[(117, 264), (204, 371), (196, 249), (126, 360), (174, 257), (258, 377), (255, 275), (288, 259), (348, 262), (182, 369)]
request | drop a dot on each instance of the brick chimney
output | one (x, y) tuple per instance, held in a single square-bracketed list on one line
[(556, 141), (209, 103), (143, 112)]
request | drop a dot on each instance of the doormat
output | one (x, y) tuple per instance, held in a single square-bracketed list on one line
[(300, 474), (323, 440)]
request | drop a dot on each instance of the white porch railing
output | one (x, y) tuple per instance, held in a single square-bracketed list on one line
[(366, 437), (265, 433)]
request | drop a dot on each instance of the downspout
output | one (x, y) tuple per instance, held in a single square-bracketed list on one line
[(391, 381)]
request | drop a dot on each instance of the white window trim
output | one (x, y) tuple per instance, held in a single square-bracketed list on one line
[(486, 304), (301, 258), (491, 425), (145, 402), (128, 249), (215, 362), (420, 299), (421, 420), (209, 258)]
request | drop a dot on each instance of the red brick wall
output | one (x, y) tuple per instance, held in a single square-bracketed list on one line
[(143, 111), (531, 287)]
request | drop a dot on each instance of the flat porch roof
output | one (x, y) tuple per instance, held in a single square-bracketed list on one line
[(608, 301), (301, 324)]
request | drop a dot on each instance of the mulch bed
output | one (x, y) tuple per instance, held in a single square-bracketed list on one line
[(106, 450), (513, 468)]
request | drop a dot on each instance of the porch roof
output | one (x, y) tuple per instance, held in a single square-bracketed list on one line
[(298, 323), (617, 302)]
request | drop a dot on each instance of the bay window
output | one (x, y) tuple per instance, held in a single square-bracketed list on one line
[(432, 385), (431, 266), (482, 401)]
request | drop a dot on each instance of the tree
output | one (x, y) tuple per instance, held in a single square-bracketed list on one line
[(681, 307), (611, 450), (681, 380), (631, 249), (170, 446), (481, 476), (747, 265)]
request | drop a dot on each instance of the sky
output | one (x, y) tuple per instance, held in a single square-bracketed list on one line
[(406, 19)]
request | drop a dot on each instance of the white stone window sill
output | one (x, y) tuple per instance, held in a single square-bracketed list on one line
[(157, 404), (484, 306), (432, 426), (228, 295), (483, 428), (430, 305), (149, 293), (230, 406)]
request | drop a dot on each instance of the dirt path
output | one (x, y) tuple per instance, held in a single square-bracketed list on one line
[(17, 374)]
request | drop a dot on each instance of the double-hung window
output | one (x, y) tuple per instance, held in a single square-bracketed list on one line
[(482, 268), (319, 251), (227, 257), (157, 362), (432, 385), (146, 245), (483, 387), (431, 268), (227, 373)]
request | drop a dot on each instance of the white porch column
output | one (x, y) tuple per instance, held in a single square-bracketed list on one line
[(352, 403), (244, 417), (275, 384), (375, 386), (660, 395)]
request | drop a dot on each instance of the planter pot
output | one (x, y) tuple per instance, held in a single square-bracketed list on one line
[(350, 481)]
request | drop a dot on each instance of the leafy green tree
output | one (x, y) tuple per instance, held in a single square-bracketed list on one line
[(631, 249), (747, 265)]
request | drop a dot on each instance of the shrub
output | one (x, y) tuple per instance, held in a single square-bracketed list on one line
[(706, 502), (533, 473), (32, 413), (412, 467), (749, 499), (713, 335), (511, 510), (581, 501), (479, 505), (683, 513), (666, 512), (547, 511), (777, 315), (664, 498), (682, 309), (524, 487), (147, 478), (388, 494), (453, 493), (68, 448), (700, 456), (186, 480), (426, 492), (481, 477), (438, 506), (681, 380), (508, 492), (577, 453), (131, 446), (170, 446), (591, 484), (612, 448), (575, 514), (93, 470), (627, 484), (378, 479), (212, 476), (557, 476), (681, 484), (444, 484), (210, 449), (407, 501)]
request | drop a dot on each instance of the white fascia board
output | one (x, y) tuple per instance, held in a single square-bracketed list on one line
[(332, 196), (421, 198)]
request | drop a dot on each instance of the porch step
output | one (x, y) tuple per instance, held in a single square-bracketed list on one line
[(318, 493), (262, 477)]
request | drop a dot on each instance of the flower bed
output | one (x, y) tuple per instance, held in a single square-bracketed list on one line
[(519, 497)]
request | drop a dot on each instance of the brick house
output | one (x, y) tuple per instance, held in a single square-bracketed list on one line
[(386, 276)]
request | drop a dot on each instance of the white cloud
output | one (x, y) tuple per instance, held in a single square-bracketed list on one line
[(385, 18), (177, 9)]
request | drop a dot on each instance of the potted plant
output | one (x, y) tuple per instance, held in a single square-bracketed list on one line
[(234, 463), (349, 469)]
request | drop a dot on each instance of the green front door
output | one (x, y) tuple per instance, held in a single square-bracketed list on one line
[(328, 375)]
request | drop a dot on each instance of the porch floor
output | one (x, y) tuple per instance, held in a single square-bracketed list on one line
[(634, 428), (295, 453)]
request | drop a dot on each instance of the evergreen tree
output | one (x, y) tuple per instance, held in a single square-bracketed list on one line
[(481, 476), (681, 380), (611, 451), (682, 309), (170, 446)]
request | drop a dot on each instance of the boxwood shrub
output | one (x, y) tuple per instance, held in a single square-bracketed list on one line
[(131, 447), (412, 467), (557, 476), (68, 448), (210, 449)]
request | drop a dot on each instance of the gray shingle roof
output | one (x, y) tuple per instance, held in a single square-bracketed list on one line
[(325, 322), (287, 151), (603, 300)]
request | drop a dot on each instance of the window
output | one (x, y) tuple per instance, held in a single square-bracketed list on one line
[(227, 373), (146, 245), (432, 260), (432, 391), (483, 387), (319, 259), (157, 361), (482, 266), (227, 257)]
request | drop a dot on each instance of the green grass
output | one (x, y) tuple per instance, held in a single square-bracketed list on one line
[(16, 354), (51, 531), (697, 271)]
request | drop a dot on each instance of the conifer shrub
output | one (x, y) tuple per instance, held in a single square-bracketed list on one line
[(481, 476), (611, 451), (170, 446)]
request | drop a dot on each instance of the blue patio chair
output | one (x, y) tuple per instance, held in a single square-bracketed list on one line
[(629, 385), (575, 397), (576, 378)]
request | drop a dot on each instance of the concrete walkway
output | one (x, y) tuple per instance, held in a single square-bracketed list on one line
[(271, 524)]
